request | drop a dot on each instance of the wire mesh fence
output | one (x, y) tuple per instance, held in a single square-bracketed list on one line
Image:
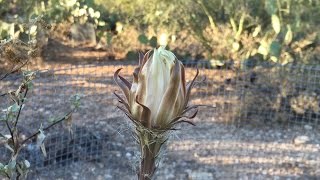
[(251, 129)]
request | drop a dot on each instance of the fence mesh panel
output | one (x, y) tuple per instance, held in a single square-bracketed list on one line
[(250, 128)]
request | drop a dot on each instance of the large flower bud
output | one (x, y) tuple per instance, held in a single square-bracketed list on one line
[(158, 95)]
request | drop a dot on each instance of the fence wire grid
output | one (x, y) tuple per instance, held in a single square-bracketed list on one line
[(262, 123)]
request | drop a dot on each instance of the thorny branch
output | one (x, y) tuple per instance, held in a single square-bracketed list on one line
[(14, 69), (20, 108), (48, 127)]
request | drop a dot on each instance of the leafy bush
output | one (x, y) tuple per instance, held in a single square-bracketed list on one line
[(280, 31), (270, 28)]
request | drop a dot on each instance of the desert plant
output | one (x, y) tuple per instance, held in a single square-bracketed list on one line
[(18, 54), (155, 102)]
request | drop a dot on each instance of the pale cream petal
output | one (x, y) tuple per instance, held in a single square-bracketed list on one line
[(157, 79), (166, 108)]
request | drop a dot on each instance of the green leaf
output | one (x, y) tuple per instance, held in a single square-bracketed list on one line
[(2, 118), (153, 41), (28, 73), (271, 6), (75, 100), (30, 85), (143, 39), (34, 16), (275, 49), (109, 38), (12, 165), (249, 63), (14, 108)]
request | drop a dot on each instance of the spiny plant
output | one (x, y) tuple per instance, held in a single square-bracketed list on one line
[(155, 102), (19, 54)]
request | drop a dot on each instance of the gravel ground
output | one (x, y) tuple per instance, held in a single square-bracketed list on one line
[(103, 148)]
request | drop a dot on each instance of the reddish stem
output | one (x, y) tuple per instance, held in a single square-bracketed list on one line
[(148, 161)]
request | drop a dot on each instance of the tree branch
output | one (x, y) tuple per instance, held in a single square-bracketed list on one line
[(48, 127), (13, 70), (10, 130), (19, 112)]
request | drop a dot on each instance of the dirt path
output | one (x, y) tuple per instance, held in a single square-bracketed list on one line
[(103, 147)]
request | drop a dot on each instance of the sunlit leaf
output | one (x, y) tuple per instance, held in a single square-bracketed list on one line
[(236, 46), (256, 31), (263, 50), (289, 36), (40, 142), (276, 23)]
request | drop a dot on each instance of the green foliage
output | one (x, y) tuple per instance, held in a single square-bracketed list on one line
[(275, 50), (153, 41), (235, 29), (143, 39), (266, 21), (271, 7), (19, 53)]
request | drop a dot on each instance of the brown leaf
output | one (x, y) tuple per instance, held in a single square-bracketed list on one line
[(127, 83), (145, 115), (121, 84), (172, 122), (189, 87), (122, 101), (170, 95), (145, 59)]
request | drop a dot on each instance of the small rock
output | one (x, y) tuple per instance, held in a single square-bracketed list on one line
[(301, 140), (169, 176), (307, 127), (128, 155), (196, 175), (108, 176), (118, 154), (101, 165)]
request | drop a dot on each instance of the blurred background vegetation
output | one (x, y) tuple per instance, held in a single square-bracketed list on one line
[(243, 32)]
